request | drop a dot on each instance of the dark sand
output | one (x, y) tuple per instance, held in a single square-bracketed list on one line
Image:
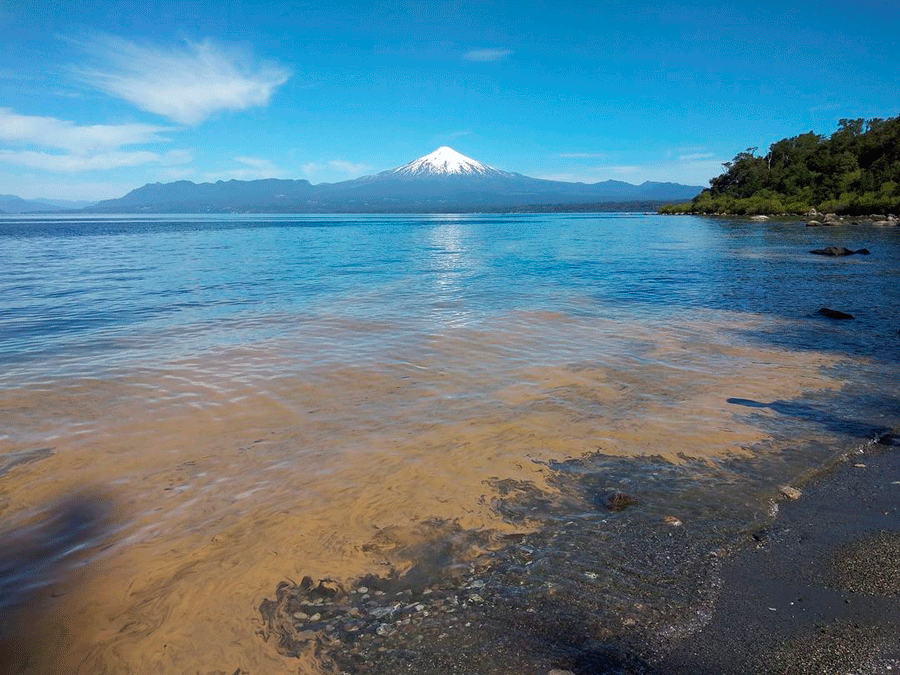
[(819, 591)]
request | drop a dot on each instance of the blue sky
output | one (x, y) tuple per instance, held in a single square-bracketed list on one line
[(97, 98)]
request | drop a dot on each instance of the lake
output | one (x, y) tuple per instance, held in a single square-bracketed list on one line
[(437, 408)]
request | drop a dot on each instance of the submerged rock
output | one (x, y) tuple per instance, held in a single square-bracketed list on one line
[(834, 314), (616, 501), (839, 251), (832, 251)]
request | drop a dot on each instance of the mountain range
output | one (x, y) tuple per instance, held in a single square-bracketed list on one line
[(444, 180), (14, 204)]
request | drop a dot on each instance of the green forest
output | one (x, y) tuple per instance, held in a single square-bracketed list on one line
[(855, 171)]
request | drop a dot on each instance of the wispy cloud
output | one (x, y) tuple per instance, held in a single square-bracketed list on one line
[(102, 161), (583, 155), (249, 168), (51, 132), (594, 174), (694, 156), (349, 167), (311, 169), (694, 168), (185, 83), (485, 55)]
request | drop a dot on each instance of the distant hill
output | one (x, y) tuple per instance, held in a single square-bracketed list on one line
[(14, 204), (855, 171), (444, 180)]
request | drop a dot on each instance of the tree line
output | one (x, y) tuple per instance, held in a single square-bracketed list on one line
[(855, 171)]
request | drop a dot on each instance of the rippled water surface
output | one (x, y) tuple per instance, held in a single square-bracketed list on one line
[(449, 397)]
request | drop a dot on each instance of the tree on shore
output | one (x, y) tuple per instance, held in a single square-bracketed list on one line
[(855, 171)]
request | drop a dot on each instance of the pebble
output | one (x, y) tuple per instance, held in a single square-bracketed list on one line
[(672, 520), (790, 492), (300, 615), (315, 617), (362, 589)]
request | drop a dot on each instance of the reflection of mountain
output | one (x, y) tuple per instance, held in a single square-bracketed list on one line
[(443, 180), (13, 204)]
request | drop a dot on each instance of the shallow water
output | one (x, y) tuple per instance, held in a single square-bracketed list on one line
[(271, 397)]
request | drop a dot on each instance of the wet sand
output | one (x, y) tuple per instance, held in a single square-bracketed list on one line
[(234, 474)]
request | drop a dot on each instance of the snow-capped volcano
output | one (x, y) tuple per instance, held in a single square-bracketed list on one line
[(446, 162), (443, 180)]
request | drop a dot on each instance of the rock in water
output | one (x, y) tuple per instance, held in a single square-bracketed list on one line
[(863, 251), (617, 501), (834, 314), (833, 251)]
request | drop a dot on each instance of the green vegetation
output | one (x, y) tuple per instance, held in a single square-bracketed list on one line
[(855, 172)]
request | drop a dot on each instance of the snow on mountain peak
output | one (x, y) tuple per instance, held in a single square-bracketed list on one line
[(444, 162)]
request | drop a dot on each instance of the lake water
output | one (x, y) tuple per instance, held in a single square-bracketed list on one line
[(424, 403)]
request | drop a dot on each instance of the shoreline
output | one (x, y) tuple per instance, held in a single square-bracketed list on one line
[(811, 219), (819, 590)]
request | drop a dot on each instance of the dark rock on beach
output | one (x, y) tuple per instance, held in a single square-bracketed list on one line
[(834, 314)]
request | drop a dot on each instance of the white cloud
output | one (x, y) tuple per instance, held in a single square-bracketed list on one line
[(255, 162), (185, 83), (595, 174), (103, 161), (690, 169), (583, 155), (251, 168), (348, 167), (485, 55), (338, 165), (694, 156), (52, 132)]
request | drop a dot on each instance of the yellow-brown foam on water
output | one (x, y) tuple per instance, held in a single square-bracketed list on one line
[(237, 471)]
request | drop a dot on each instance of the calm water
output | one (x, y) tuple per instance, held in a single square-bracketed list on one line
[(268, 397)]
